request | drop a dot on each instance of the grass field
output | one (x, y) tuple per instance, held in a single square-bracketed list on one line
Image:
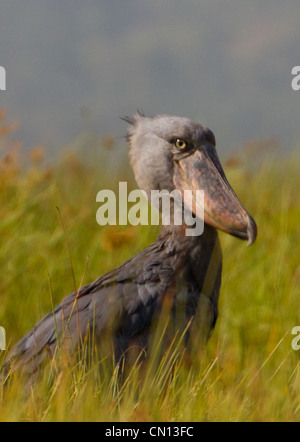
[(248, 372)]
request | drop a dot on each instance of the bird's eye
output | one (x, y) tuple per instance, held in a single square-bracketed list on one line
[(180, 144)]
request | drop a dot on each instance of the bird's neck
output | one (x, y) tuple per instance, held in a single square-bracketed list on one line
[(198, 258), (177, 235)]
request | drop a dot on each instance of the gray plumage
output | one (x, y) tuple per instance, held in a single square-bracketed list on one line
[(187, 269)]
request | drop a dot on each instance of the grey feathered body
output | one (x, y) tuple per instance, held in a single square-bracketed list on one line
[(124, 301), (183, 272)]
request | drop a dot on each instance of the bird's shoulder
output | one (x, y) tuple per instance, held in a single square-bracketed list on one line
[(143, 276)]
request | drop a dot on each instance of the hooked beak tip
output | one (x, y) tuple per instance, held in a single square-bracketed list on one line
[(251, 231)]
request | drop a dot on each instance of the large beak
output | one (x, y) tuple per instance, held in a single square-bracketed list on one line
[(202, 170)]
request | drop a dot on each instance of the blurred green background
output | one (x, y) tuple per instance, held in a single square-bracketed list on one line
[(249, 371), (72, 69)]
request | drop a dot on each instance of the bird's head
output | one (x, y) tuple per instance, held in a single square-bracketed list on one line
[(168, 152)]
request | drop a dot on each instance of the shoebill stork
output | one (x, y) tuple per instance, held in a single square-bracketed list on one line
[(166, 152)]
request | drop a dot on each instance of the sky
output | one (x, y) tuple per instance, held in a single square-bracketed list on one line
[(78, 66)]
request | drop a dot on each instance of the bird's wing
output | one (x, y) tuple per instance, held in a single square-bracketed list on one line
[(123, 299)]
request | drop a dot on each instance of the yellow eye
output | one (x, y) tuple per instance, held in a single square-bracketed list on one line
[(180, 144)]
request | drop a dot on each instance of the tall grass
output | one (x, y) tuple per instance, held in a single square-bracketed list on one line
[(247, 372)]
